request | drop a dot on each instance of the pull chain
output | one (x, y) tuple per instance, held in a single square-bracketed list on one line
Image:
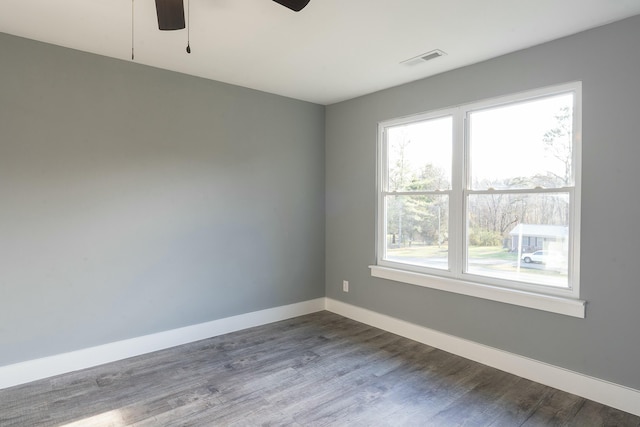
[(132, 31), (188, 26)]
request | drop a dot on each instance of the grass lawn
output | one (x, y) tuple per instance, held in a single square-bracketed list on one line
[(484, 252), (419, 251), (505, 265), (493, 252)]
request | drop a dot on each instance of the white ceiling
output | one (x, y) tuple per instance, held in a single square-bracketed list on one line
[(331, 51)]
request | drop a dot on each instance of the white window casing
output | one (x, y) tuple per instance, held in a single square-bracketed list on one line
[(539, 288)]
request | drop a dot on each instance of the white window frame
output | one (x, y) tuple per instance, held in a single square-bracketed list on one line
[(557, 300)]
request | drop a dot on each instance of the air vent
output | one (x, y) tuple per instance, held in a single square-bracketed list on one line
[(420, 59)]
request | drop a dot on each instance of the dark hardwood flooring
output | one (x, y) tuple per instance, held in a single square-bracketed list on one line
[(315, 370)]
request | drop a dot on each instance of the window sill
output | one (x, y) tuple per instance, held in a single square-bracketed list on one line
[(553, 304)]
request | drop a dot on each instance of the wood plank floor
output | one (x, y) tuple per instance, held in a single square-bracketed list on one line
[(315, 370)]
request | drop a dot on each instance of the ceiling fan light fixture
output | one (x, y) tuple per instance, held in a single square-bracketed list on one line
[(295, 5), (170, 14)]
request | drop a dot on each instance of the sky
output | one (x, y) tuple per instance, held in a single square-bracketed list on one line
[(505, 142)]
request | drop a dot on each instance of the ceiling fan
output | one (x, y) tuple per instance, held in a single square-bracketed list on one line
[(171, 12)]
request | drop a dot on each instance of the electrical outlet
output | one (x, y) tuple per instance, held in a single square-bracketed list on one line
[(345, 286)]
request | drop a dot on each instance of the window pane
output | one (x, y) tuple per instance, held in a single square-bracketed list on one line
[(417, 230), (523, 145), (522, 237), (419, 155)]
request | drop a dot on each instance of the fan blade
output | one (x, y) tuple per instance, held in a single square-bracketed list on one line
[(170, 14), (295, 5)]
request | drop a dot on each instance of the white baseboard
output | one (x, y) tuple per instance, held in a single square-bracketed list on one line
[(32, 370), (614, 395), (607, 393)]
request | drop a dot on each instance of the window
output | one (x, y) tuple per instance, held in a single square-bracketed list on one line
[(484, 199)]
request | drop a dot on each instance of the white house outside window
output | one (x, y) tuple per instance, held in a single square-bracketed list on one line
[(483, 199)]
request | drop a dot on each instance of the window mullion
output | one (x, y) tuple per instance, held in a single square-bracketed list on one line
[(417, 193), (456, 207), (534, 190)]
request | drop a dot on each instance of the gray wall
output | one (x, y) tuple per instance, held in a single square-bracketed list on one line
[(607, 343), (136, 200)]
